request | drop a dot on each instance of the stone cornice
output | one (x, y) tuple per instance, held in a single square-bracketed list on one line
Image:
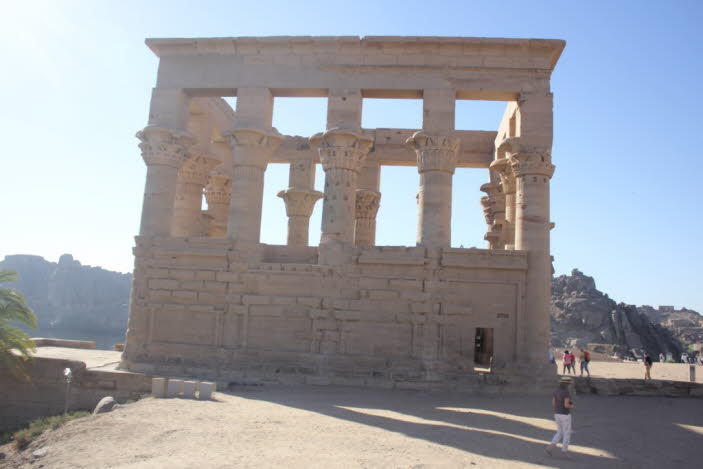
[(497, 52), (434, 152), (341, 149)]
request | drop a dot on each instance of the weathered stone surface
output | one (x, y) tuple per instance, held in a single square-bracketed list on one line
[(106, 404)]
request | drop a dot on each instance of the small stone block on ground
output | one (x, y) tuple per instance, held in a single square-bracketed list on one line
[(158, 387), (173, 388), (206, 390), (189, 389)]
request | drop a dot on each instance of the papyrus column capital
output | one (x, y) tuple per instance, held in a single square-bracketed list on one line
[(164, 147), (341, 149), (434, 152), (531, 164), (367, 203), (253, 147), (218, 190), (196, 169), (300, 202)]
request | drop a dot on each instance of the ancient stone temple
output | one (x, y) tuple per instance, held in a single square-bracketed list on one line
[(209, 299)]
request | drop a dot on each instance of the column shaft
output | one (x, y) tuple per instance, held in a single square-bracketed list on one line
[(245, 205), (532, 227), (186, 209), (436, 160)]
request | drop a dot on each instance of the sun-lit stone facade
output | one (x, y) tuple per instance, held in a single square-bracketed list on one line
[(209, 299)]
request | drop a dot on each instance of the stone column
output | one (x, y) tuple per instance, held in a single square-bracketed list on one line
[(507, 182), (299, 206), (342, 152), (192, 178), (164, 151), (436, 161), (218, 193), (368, 198), (532, 226), (300, 199), (494, 210), (251, 151), (252, 142), (367, 204)]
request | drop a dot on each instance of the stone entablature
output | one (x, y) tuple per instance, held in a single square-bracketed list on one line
[(211, 299)]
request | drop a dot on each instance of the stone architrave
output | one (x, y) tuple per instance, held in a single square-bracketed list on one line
[(342, 153), (507, 181), (218, 193), (367, 204), (299, 206), (164, 151), (436, 161), (192, 178), (251, 150)]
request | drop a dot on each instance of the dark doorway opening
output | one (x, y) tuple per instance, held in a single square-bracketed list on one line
[(483, 347)]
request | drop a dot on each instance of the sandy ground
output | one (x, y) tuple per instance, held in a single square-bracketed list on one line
[(335, 427), (671, 371)]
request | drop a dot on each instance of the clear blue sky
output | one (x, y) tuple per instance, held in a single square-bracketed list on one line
[(76, 78)]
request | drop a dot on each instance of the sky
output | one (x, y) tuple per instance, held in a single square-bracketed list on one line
[(76, 80)]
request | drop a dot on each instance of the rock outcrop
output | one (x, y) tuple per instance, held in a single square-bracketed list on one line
[(70, 296), (581, 314), (685, 324)]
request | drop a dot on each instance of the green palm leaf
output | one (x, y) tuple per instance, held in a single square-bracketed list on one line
[(15, 346)]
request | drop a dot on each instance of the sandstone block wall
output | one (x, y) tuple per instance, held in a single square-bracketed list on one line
[(395, 314), (45, 392)]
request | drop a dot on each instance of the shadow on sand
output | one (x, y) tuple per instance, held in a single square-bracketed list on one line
[(622, 432)]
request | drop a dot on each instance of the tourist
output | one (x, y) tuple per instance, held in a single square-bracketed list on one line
[(562, 404), (585, 358), (566, 361), (661, 358), (647, 366), (551, 356), (573, 363)]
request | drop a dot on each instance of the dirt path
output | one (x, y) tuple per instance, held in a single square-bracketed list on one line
[(332, 427)]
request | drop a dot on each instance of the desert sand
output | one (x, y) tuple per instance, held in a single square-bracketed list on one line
[(345, 427)]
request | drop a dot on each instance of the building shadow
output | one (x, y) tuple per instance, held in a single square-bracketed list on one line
[(608, 431)]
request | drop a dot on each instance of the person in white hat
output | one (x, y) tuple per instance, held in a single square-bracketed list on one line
[(562, 404)]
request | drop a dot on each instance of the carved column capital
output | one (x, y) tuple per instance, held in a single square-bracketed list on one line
[(253, 147), (531, 164), (505, 172), (299, 202), (341, 149), (196, 169), (165, 147), (434, 152), (367, 203), (218, 190)]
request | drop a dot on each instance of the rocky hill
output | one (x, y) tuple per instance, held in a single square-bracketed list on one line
[(581, 314), (70, 296), (685, 324)]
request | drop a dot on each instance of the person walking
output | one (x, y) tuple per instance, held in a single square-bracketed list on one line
[(566, 362), (647, 366), (661, 357), (562, 404), (573, 363), (585, 358)]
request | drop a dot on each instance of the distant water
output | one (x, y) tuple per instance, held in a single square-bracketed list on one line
[(103, 341)]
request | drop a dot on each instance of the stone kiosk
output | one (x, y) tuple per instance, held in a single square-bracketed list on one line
[(210, 300)]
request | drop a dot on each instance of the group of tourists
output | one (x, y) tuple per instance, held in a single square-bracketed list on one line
[(569, 362)]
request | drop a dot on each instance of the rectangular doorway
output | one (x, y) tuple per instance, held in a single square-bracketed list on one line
[(483, 347)]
